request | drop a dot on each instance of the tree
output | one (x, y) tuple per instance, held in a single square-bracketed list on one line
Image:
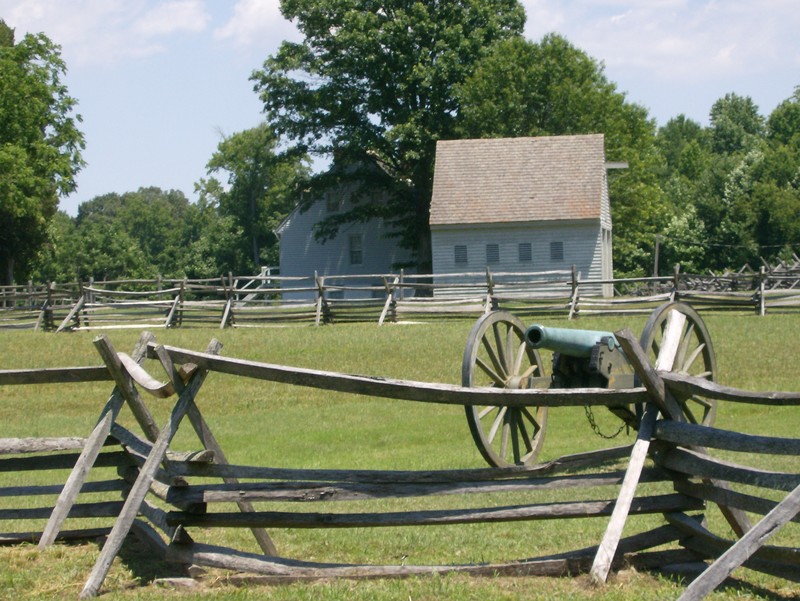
[(374, 82), (40, 146), (735, 124), (524, 88), (681, 142), (745, 185), (783, 125), (260, 189), (213, 241), (56, 260)]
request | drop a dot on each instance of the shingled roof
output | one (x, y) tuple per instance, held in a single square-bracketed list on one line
[(505, 180)]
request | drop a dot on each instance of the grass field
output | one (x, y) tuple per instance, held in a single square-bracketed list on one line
[(268, 424)]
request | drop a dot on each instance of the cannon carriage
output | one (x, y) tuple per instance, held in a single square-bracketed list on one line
[(502, 353)]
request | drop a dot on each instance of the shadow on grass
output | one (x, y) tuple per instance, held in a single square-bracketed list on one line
[(731, 584)]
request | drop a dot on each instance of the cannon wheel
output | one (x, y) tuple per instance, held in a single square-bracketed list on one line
[(496, 356), (676, 339)]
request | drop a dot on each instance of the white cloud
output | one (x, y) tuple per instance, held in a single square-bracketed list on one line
[(171, 17), (257, 25), (674, 39), (93, 32)]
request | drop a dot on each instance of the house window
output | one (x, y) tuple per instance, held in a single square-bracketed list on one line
[(332, 202), (556, 251), (461, 254), (525, 252), (356, 250), (492, 253)]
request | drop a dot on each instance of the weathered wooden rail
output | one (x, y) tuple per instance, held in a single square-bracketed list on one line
[(267, 299), (187, 485)]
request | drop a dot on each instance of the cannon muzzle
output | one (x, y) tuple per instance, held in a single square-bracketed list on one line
[(575, 343)]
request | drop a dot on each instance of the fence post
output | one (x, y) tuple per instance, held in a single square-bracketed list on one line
[(85, 296), (390, 306), (491, 301), (761, 308), (573, 302), (676, 280), (49, 325), (182, 296), (323, 310)]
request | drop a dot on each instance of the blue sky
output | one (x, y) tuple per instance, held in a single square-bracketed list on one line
[(159, 82)]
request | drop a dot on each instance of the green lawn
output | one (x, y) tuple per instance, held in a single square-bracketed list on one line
[(276, 425)]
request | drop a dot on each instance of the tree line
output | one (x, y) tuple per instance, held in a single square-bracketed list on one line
[(373, 86)]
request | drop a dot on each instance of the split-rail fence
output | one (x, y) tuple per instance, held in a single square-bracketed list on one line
[(166, 495), (269, 299)]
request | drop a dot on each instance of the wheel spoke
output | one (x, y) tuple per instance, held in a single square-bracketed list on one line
[(705, 403), (510, 357), (486, 411), (692, 358), (529, 372), (496, 378), (500, 345), (498, 366), (656, 347), (519, 356), (515, 439), (688, 336), (504, 438), (690, 417), (526, 413), (523, 431), (497, 422)]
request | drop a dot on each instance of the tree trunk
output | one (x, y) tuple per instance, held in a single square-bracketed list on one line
[(9, 271)]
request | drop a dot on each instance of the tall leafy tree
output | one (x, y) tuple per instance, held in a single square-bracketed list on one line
[(736, 124), (259, 190), (40, 146), (373, 82), (738, 180), (525, 88), (679, 142), (130, 235), (213, 242), (783, 125)]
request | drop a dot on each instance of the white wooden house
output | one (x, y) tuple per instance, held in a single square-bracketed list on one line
[(357, 249), (522, 205)]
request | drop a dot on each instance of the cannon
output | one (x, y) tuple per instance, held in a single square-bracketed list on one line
[(502, 353)]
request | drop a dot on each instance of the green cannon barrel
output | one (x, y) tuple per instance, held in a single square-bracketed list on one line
[(575, 343)]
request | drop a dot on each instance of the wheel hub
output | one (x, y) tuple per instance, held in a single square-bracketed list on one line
[(517, 383)]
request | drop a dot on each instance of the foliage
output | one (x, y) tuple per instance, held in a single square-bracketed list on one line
[(40, 146), (212, 242), (117, 236), (522, 88), (735, 124), (260, 190), (133, 235), (740, 178), (374, 83)]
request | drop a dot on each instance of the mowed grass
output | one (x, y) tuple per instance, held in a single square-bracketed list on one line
[(260, 423)]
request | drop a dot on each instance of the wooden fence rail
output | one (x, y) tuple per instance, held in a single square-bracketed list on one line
[(167, 496), (267, 299)]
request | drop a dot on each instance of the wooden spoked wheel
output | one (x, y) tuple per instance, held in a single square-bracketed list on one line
[(676, 339), (496, 356)]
